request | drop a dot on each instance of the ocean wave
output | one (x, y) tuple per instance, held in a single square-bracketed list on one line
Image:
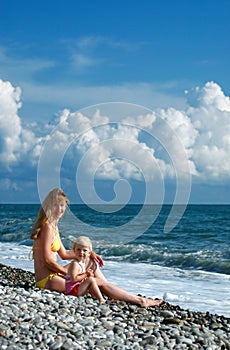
[(200, 240), (206, 260)]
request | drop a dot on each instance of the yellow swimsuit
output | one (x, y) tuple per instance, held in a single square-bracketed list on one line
[(55, 246), (42, 283)]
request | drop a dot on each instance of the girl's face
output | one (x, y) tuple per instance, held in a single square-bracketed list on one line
[(58, 209), (81, 252)]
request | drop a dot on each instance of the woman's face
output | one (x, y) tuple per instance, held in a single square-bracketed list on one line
[(58, 209)]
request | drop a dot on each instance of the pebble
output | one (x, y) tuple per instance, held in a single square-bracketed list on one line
[(32, 318)]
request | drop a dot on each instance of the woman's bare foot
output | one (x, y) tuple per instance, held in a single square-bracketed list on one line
[(151, 302), (102, 301)]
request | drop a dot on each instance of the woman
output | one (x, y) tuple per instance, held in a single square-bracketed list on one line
[(49, 273)]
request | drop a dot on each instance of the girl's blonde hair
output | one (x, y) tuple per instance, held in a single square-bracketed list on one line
[(84, 242), (45, 213)]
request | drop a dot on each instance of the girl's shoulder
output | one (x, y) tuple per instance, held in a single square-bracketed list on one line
[(76, 265)]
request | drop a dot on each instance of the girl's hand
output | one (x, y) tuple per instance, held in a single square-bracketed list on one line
[(90, 273), (97, 257)]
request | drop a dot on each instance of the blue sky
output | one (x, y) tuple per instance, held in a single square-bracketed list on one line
[(60, 57)]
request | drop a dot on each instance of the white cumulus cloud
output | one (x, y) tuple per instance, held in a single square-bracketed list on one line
[(209, 113), (140, 146), (16, 142), (10, 122)]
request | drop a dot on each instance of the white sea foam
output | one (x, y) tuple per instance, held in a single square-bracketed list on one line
[(195, 290)]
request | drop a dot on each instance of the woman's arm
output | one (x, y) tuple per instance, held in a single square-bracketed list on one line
[(48, 258), (69, 255), (97, 258), (65, 254)]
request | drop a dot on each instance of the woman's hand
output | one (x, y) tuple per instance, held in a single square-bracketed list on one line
[(97, 257)]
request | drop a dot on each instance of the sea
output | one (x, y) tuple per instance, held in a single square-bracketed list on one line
[(188, 265)]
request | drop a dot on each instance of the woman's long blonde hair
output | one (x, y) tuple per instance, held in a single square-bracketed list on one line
[(45, 212)]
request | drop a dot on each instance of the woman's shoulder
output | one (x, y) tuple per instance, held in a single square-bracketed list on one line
[(47, 228)]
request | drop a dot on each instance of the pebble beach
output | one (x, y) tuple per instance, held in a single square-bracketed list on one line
[(40, 319)]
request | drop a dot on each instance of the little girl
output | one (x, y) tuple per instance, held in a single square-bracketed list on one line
[(79, 280)]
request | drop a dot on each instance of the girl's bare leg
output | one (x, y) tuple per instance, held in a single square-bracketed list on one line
[(90, 285), (118, 293)]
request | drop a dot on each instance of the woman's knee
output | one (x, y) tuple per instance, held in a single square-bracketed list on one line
[(57, 284)]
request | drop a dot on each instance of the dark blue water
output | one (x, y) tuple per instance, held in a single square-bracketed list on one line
[(200, 240)]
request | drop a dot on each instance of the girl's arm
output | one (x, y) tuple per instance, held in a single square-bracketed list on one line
[(74, 272)]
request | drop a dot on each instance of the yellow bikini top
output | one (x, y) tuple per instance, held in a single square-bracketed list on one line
[(55, 246)]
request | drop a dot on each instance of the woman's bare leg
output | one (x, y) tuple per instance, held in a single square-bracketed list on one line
[(56, 283), (120, 294), (99, 275)]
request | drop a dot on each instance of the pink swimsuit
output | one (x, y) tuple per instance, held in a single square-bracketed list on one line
[(71, 288)]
